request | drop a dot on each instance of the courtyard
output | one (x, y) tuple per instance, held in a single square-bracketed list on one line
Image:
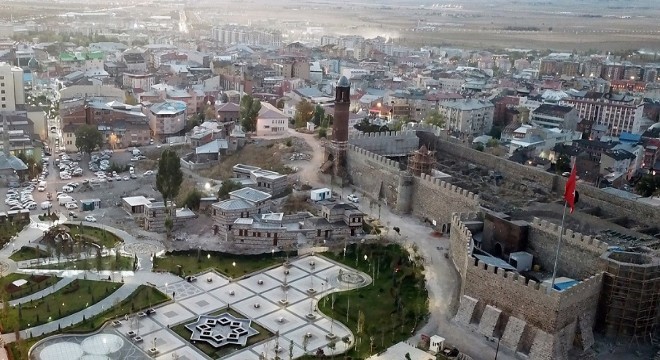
[(279, 301)]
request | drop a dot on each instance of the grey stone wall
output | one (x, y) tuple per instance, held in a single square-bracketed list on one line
[(589, 195), (579, 255), (377, 176), (438, 200), (398, 143)]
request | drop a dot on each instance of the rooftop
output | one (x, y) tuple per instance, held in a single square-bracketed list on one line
[(168, 107), (250, 195), (467, 104), (553, 110)]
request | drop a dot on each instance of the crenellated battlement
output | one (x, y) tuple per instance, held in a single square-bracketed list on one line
[(449, 187), (516, 280), (585, 241), (382, 160), (423, 127), (363, 135)]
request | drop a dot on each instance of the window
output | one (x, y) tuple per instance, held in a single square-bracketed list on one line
[(2, 91), (3, 98)]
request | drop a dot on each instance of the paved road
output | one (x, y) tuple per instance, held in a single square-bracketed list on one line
[(442, 280)]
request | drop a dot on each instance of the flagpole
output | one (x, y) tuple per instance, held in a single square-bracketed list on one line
[(561, 235)]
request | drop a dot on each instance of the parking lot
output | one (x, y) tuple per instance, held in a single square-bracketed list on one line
[(109, 192)]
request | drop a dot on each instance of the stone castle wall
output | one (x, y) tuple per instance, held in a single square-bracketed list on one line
[(611, 205), (399, 143), (438, 200), (579, 255), (374, 174), (549, 311)]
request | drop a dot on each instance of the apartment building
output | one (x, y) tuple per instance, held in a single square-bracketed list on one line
[(12, 93), (167, 118), (617, 112), (468, 116), (555, 116)]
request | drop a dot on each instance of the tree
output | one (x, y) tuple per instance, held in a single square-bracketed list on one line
[(227, 187), (169, 225), (209, 112), (304, 113), (193, 199), (170, 176), (34, 167), (523, 114), (319, 115), (395, 125), (323, 132), (248, 113), (648, 185), (563, 164), (88, 139), (224, 98), (435, 118), (492, 143), (130, 99)]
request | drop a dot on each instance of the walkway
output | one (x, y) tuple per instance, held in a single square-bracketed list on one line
[(39, 294), (121, 294)]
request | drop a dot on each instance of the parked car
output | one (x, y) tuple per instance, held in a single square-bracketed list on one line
[(73, 215), (90, 218), (46, 205), (353, 198), (148, 172), (71, 206)]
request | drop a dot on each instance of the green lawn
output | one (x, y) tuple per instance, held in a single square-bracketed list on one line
[(143, 298), (8, 230), (391, 308), (106, 263), (28, 253), (214, 353), (231, 265), (98, 236), (72, 298), (35, 283)]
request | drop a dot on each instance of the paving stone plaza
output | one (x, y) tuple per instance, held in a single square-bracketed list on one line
[(282, 300)]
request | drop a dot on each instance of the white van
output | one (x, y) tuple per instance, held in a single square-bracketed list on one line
[(131, 170), (46, 205), (65, 199)]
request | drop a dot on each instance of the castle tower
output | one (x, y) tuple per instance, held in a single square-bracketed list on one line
[(335, 154), (421, 161)]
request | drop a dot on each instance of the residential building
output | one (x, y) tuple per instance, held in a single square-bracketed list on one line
[(540, 141), (291, 68), (12, 88), (557, 64), (69, 137), (555, 116), (267, 181), (81, 61), (138, 81), (271, 121), (468, 116), (616, 161), (167, 118), (99, 112), (594, 148), (228, 112), (617, 112)]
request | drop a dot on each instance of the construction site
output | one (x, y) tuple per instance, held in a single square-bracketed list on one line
[(631, 295)]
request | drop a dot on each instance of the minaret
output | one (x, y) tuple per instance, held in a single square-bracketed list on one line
[(336, 152)]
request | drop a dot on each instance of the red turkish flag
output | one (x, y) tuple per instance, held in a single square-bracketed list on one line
[(569, 192)]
